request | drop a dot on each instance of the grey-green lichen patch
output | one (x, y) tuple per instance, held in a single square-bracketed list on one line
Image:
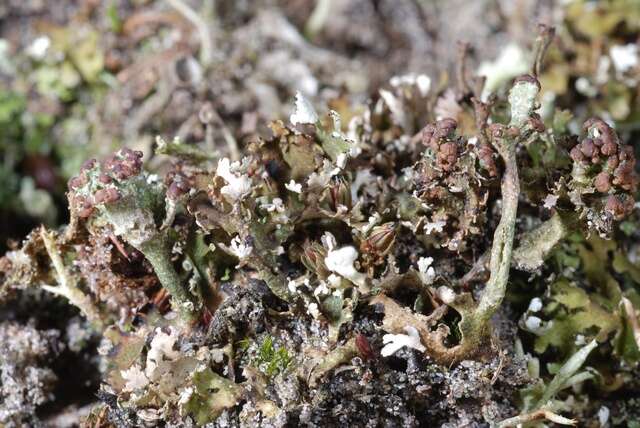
[(117, 196)]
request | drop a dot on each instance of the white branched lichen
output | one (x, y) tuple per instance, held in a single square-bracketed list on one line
[(427, 272), (294, 187), (434, 226), (238, 185), (341, 261), (394, 342), (161, 351), (240, 249), (135, 378)]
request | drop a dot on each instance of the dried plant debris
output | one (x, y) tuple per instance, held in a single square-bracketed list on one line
[(429, 255)]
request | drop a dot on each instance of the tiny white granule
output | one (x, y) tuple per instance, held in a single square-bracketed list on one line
[(533, 323), (135, 378), (334, 280), (292, 286), (238, 185), (313, 310), (185, 395), (341, 161), (39, 47), (624, 57), (603, 415), (427, 272), (321, 289), (446, 294), (535, 305), (550, 201), (585, 87), (276, 205), (292, 186), (421, 81)]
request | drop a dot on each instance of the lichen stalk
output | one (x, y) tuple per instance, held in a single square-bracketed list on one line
[(522, 98), (502, 248), (156, 251)]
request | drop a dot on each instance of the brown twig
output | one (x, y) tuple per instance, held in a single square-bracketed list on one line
[(206, 42), (461, 70), (544, 39)]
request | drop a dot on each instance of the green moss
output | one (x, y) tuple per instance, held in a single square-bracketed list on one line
[(272, 359)]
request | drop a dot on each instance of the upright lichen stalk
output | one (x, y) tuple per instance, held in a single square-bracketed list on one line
[(474, 326), (522, 99), (117, 196), (503, 237)]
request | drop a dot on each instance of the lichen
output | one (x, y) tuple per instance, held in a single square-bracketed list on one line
[(459, 255)]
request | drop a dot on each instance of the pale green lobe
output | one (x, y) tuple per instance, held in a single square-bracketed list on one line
[(522, 99)]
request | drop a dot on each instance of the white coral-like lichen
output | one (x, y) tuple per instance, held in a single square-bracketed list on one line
[(341, 261), (161, 352), (238, 185), (294, 187), (276, 205), (304, 112), (421, 81), (394, 342), (427, 272), (240, 249), (135, 378), (434, 226)]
